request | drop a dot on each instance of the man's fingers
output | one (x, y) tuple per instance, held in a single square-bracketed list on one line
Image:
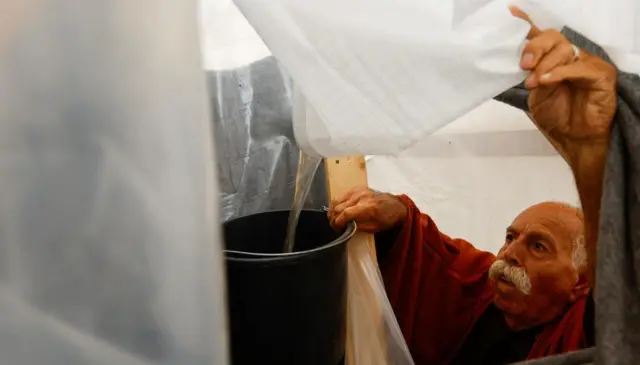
[(539, 47), (576, 72), (353, 199), (335, 202), (560, 55), (358, 213), (337, 207), (338, 219), (332, 220), (332, 212), (350, 198), (535, 31)]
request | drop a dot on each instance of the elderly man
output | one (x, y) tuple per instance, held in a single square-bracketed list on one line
[(458, 305)]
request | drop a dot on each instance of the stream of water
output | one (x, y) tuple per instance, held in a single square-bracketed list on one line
[(307, 167)]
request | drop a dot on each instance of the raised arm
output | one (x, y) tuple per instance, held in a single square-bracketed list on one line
[(573, 101)]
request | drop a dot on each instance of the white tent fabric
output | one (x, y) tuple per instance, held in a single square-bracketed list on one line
[(473, 176), (477, 173), (228, 41), (380, 75)]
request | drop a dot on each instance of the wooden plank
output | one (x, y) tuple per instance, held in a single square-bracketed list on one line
[(344, 174)]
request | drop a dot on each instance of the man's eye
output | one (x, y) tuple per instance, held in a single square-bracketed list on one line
[(509, 238), (540, 246)]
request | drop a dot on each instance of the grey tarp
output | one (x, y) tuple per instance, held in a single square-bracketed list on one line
[(257, 156), (617, 292)]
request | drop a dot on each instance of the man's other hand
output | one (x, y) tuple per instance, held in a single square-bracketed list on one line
[(371, 210), (573, 94)]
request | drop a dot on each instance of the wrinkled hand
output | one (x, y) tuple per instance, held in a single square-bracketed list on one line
[(573, 99), (371, 210)]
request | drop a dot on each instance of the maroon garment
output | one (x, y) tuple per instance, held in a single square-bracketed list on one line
[(439, 286)]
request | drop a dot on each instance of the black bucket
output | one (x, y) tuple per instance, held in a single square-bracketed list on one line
[(286, 309)]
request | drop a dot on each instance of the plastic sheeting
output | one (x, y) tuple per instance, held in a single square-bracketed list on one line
[(258, 158), (109, 246), (252, 116), (376, 338), (380, 75)]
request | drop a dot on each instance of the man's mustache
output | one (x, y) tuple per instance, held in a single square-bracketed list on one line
[(513, 274)]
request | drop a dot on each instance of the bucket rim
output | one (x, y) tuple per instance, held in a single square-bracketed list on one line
[(346, 235)]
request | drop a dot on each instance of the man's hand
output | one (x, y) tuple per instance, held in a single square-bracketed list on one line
[(372, 211), (573, 94)]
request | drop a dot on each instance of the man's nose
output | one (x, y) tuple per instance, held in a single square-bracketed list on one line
[(511, 254)]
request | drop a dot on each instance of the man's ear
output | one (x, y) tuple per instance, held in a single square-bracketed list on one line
[(581, 289)]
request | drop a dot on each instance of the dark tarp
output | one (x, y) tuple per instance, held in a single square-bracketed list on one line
[(256, 154)]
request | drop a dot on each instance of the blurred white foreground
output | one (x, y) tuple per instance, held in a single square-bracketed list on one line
[(108, 230)]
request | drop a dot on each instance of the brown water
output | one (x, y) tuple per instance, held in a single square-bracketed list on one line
[(307, 167)]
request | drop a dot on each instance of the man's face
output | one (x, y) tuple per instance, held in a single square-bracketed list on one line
[(535, 275)]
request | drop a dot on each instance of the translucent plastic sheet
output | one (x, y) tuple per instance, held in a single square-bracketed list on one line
[(380, 75), (251, 113), (109, 245), (376, 338)]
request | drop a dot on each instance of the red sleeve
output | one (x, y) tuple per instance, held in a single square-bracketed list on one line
[(431, 277)]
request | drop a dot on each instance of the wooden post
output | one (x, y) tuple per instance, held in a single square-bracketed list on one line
[(344, 174)]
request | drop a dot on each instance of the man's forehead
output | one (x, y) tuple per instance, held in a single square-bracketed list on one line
[(551, 218)]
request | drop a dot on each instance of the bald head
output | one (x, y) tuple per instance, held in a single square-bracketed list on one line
[(552, 207)]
